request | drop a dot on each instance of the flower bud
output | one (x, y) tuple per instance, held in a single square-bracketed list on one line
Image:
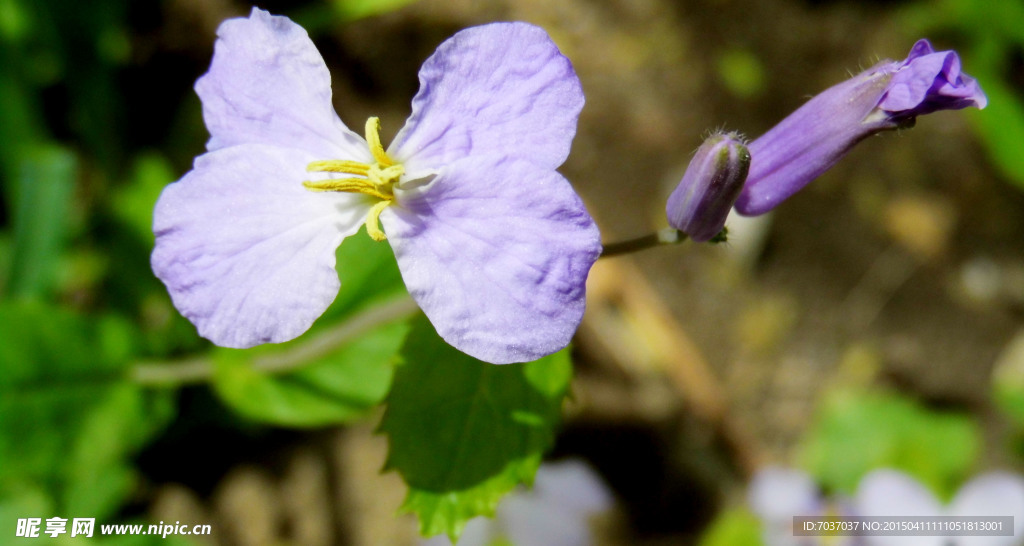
[(711, 184), (812, 139)]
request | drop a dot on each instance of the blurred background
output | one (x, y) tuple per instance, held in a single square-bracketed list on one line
[(873, 320)]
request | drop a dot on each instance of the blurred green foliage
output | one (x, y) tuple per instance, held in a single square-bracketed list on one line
[(992, 34), (1008, 390), (741, 72), (92, 129), (856, 432), (69, 421), (41, 194), (80, 310), (356, 9), (733, 527)]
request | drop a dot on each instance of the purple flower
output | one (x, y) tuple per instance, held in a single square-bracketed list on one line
[(818, 134), (892, 493), (493, 244), (701, 202)]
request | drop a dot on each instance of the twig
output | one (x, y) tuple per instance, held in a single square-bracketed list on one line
[(666, 236), (198, 370)]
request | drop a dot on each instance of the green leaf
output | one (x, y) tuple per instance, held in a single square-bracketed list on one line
[(21, 502), (463, 432), (52, 370), (69, 420), (336, 388), (741, 73), (995, 33), (735, 527), (14, 25), (133, 202), (1001, 123), (119, 424), (45, 184), (369, 275), (857, 432), (972, 18), (22, 125), (350, 10), (1010, 399), (5, 259), (1008, 382)]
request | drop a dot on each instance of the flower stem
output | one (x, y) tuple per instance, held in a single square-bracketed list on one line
[(199, 369), (666, 236)]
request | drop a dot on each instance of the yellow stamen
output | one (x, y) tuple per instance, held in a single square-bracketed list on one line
[(387, 175), (373, 139), (378, 178), (350, 185), (373, 221), (338, 166)]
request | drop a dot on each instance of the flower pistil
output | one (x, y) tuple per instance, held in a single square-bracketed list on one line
[(378, 178)]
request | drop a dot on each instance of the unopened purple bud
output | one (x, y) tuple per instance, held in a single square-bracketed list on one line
[(887, 96), (711, 184)]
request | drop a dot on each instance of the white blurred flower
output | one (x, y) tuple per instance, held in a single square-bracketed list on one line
[(893, 493), (778, 494), (556, 512)]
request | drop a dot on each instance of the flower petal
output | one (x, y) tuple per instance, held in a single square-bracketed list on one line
[(268, 84), (531, 521), (887, 96), (573, 486), (992, 494), (893, 493), (812, 139), (929, 81), (246, 252), (777, 494), (890, 493), (498, 88), (496, 252)]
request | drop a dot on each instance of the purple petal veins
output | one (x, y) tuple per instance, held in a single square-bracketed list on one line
[(268, 84), (502, 88), (248, 259), (495, 252)]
